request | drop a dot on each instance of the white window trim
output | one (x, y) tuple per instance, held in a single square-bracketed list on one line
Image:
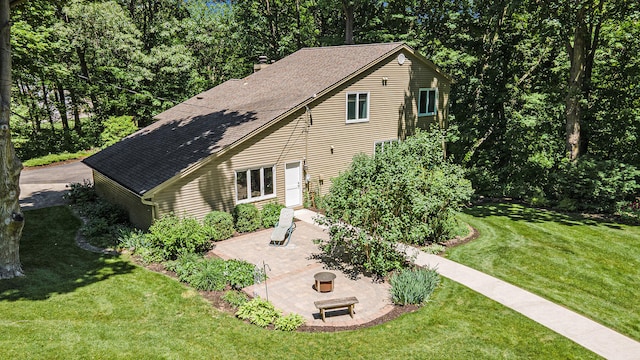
[(346, 108), (249, 198), (384, 143), (435, 106)]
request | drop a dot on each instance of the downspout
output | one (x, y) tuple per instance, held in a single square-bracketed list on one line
[(153, 207), (305, 167)]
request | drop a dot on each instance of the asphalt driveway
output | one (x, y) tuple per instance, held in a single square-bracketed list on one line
[(44, 186)]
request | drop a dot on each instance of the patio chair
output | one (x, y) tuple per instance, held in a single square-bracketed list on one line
[(283, 229)]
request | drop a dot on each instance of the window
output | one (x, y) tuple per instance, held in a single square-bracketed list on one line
[(255, 184), (380, 146), (427, 102), (357, 107)]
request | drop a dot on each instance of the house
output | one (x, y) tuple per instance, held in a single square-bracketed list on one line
[(287, 128)]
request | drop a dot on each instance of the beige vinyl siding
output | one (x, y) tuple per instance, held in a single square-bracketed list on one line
[(140, 215), (392, 114)]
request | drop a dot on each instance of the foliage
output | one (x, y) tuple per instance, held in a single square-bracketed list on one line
[(116, 128), (81, 193), (235, 298), (434, 249), (590, 184), (270, 214), (212, 273), (246, 217), (258, 311), (413, 286), (289, 322), (408, 193), (219, 225), (132, 239), (174, 235)]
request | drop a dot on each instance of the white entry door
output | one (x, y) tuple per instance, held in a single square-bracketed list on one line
[(292, 184)]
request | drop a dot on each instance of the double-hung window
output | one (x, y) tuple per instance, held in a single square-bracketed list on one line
[(255, 184), (357, 107), (427, 102)]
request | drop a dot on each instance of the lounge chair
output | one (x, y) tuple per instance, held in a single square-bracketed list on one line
[(283, 229)]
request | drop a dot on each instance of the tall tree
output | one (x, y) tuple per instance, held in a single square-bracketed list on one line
[(11, 217)]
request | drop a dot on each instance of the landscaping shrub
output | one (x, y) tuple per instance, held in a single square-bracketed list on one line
[(239, 273), (246, 217), (413, 286), (219, 225), (407, 193), (258, 311), (271, 214), (289, 322), (116, 128), (81, 193), (101, 209), (174, 235), (132, 239), (208, 275), (185, 265), (235, 298)]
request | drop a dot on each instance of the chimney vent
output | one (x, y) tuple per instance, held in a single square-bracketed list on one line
[(263, 62)]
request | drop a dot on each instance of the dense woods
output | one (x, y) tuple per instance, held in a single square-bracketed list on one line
[(546, 105)]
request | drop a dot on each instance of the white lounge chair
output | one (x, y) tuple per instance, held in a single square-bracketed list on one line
[(283, 229)]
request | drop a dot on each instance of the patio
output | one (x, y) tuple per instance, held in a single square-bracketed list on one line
[(290, 271)]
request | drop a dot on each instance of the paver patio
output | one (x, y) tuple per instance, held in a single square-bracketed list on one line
[(290, 282)]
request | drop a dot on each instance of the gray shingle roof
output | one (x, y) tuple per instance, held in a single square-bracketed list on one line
[(199, 127)]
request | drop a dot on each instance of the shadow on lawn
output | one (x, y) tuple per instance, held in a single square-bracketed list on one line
[(52, 262), (519, 212)]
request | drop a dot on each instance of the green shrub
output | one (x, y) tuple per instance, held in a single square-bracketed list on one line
[(596, 185), (102, 209), (208, 275), (239, 273), (116, 128), (413, 286), (434, 249), (258, 311), (219, 225), (246, 217), (235, 298), (174, 235), (185, 265), (407, 193), (81, 193), (289, 322), (271, 214), (95, 227)]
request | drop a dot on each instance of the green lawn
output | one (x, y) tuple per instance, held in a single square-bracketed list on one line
[(590, 266), (75, 304)]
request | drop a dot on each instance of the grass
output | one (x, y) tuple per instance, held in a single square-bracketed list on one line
[(54, 158), (76, 304), (590, 266)]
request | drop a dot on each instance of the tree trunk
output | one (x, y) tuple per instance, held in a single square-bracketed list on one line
[(573, 104), (62, 106), (11, 218), (349, 20)]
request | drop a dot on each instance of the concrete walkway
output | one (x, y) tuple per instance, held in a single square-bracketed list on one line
[(583, 331)]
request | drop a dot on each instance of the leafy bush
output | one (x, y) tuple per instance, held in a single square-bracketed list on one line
[(185, 265), (132, 239), (235, 298), (208, 275), (102, 209), (592, 184), (116, 128), (219, 225), (289, 322), (246, 217), (271, 214), (434, 249), (413, 286), (239, 273), (81, 193), (174, 235), (258, 311), (408, 193)]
